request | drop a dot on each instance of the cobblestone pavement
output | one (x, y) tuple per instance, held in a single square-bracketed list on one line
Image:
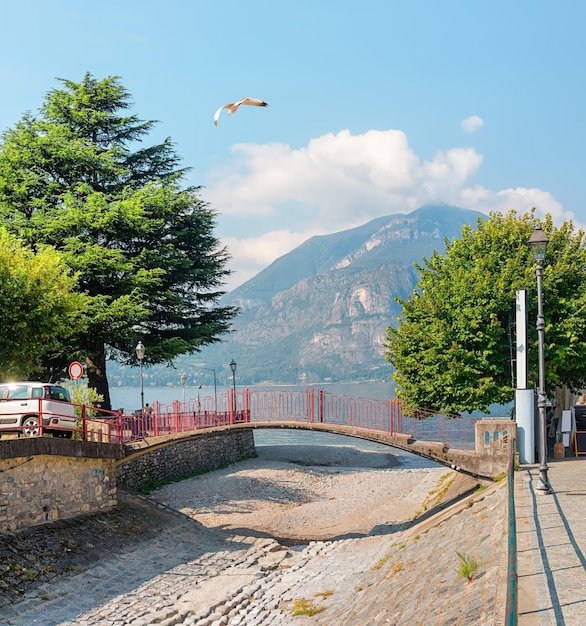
[(189, 575), (551, 531)]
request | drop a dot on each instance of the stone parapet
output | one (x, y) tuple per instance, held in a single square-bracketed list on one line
[(489, 459)]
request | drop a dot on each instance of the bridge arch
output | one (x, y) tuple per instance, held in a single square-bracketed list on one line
[(208, 449)]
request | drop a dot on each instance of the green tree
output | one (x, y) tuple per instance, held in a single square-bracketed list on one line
[(77, 177), (452, 348), (38, 306)]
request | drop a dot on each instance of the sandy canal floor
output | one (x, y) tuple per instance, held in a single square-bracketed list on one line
[(298, 493)]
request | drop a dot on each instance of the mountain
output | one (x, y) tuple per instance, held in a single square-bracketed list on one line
[(320, 312), (401, 238)]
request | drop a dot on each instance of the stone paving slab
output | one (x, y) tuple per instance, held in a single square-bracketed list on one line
[(551, 531)]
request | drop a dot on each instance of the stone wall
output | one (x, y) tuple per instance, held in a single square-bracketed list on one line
[(45, 479), (186, 456)]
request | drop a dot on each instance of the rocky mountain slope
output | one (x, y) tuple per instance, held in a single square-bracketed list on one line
[(320, 312)]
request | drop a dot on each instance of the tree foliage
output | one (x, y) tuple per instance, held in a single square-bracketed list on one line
[(454, 344), (77, 177), (37, 304)]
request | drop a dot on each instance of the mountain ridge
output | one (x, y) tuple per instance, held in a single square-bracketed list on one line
[(321, 311)]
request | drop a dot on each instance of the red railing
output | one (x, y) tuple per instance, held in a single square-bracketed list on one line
[(318, 406), (274, 406)]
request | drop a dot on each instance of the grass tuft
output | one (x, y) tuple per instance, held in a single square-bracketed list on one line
[(303, 606), (468, 567)]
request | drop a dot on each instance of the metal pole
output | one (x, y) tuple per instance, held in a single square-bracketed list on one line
[(141, 389), (215, 393), (233, 368), (543, 484), (234, 388), (140, 351)]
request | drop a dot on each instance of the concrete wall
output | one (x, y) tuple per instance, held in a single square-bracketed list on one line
[(45, 479), (184, 456)]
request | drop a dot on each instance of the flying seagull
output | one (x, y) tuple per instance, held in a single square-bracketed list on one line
[(233, 107)]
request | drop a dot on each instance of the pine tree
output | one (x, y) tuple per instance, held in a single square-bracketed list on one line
[(76, 176)]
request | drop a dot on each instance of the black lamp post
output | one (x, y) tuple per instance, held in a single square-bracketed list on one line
[(233, 368), (140, 356), (538, 243)]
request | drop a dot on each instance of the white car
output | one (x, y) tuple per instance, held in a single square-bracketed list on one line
[(23, 404)]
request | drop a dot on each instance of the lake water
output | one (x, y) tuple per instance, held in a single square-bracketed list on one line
[(128, 398)]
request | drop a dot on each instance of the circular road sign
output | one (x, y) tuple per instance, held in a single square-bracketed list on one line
[(75, 370)]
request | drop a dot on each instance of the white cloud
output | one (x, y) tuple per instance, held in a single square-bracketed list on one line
[(472, 124), (250, 255), (272, 197), (521, 199), (338, 178)]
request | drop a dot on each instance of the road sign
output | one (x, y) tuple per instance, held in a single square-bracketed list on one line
[(75, 370)]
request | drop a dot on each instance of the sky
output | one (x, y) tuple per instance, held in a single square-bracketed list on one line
[(375, 108)]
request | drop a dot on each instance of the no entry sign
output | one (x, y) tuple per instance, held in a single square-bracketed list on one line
[(75, 370)]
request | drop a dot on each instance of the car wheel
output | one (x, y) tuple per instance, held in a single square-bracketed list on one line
[(30, 426)]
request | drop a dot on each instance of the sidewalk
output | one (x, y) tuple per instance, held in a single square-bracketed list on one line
[(551, 544)]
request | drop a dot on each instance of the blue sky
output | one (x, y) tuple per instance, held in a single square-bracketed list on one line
[(375, 107)]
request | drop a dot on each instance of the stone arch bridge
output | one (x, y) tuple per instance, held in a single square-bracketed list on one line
[(54, 478)]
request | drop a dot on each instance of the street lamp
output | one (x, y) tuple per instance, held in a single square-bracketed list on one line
[(140, 356), (183, 381), (233, 368), (538, 243)]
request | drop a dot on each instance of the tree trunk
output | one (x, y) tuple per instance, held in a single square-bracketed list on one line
[(96, 377)]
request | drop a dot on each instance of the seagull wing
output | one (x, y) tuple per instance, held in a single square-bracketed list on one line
[(253, 102), (233, 107), (217, 115)]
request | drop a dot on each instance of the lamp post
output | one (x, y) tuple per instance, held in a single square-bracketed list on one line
[(538, 243), (211, 369), (140, 356), (183, 381), (233, 368)]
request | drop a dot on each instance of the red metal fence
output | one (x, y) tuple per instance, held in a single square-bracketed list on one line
[(310, 405)]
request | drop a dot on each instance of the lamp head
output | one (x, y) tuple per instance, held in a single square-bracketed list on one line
[(140, 351), (233, 366), (538, 243)]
